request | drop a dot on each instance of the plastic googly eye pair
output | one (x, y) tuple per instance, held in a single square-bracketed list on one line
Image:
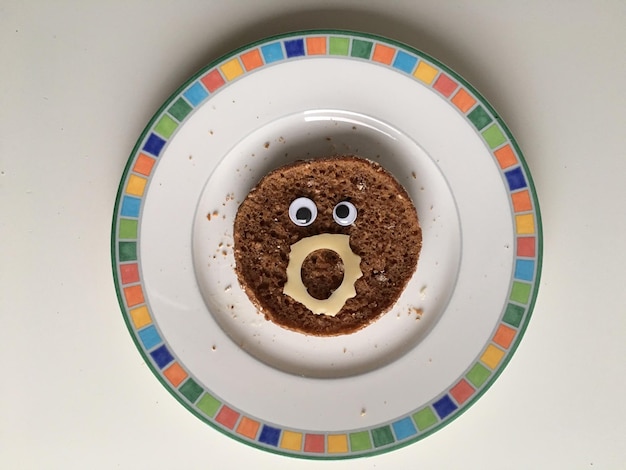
[(303, 212)]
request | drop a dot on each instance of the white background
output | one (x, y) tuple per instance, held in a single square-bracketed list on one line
[(80, 80)]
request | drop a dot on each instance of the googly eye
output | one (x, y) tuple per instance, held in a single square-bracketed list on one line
[(302, 211), (344, 213)]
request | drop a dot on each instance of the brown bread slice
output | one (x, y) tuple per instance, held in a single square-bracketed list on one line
[(386, 235)]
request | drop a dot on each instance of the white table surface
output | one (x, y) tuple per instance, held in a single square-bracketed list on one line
[(79, 81)]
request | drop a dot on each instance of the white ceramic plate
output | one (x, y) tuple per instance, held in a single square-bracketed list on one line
[(305, 95)]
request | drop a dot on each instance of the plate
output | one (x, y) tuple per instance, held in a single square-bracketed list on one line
[(304, 95)]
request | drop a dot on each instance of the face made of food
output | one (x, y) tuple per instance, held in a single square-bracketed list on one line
[(326, 246)]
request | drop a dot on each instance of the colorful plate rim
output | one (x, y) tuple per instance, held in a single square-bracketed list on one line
[(484, 369)]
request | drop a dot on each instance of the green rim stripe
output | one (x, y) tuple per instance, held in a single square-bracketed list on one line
[(356, 46)]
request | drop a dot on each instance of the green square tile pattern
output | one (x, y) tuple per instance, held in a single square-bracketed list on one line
[(360, 441), (127, 251), (361, 49), (166, 126), (520, 292), (339, 46), (478, 375), (424, 418), (382, 436), (513, 315), (494, 136), (180, 109), (479, 117), (127, 228), (208, 405), (191, 390)]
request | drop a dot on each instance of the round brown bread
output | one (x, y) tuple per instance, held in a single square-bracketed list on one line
[(386, 235)]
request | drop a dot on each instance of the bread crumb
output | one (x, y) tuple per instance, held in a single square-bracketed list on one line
[(363, 411), (228, 288), (211, 131), (417, 311), (214, 347), (212, 214), (423, 292), (266, 145), (413, 175)]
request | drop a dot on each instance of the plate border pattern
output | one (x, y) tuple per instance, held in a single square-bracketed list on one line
[(415, 424)]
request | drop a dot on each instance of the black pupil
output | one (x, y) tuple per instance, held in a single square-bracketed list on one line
[(342, 211), (303, 214)]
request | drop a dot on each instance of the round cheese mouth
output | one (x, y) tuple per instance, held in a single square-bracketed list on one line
[(295, 288)]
